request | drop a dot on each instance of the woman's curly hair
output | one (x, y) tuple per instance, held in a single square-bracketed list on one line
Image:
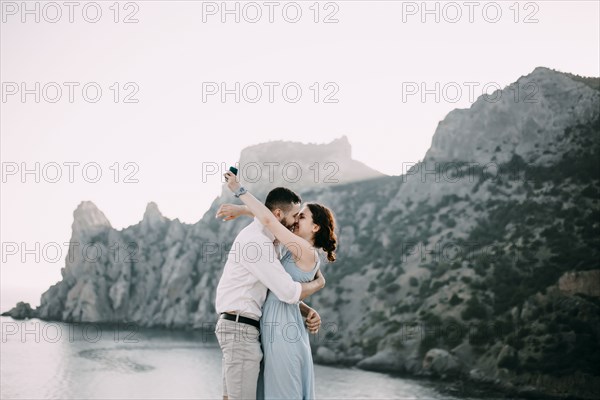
[(325, 237)]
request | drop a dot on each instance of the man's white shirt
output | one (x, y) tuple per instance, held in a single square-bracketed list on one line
[(252, 267)]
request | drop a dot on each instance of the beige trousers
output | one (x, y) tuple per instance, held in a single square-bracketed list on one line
[(240, 344)]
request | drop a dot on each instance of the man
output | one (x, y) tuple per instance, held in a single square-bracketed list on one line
[(252, 267)]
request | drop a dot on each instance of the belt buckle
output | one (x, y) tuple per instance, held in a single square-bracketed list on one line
[(237, 315)]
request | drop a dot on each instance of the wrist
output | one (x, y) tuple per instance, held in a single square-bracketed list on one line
[(305, 311), (240, 191)]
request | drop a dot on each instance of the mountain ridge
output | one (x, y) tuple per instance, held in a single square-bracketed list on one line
[(469, 247)]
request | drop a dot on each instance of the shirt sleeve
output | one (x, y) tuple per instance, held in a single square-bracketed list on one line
[(261, 261)]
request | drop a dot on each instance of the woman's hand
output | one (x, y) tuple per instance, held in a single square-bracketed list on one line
[(232, 182), (313, 321), (229, 211)]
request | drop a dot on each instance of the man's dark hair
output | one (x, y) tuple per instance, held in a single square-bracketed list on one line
[(281, 198)]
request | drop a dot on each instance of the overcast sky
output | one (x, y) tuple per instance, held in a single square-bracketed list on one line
[(161, 129)]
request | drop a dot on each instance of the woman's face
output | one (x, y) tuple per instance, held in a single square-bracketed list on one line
[(304, 226)]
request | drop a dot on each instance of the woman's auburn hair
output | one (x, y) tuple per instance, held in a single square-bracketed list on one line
[(325, 238)]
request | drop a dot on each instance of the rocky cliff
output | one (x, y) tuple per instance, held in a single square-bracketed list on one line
[(162, 272), (481, 262)]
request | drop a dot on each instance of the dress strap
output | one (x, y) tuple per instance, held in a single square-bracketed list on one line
[(317, 263)]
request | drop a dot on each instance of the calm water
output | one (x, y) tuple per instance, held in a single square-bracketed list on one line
[(43, 360)]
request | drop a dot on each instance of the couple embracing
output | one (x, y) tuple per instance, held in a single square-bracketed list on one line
[(272, 266)]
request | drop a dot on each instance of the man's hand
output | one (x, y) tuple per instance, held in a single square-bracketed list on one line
[(229, 212), (320, 278), (312, 287), (313, 321)]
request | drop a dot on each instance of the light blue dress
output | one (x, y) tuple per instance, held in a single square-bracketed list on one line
[(286, 371)]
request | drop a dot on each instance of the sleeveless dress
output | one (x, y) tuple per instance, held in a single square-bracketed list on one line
[(286, 371)]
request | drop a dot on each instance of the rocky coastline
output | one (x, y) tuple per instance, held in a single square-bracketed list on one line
[(485, 282)]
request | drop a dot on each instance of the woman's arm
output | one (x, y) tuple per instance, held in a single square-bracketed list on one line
[(313, 319), (232, 211), (299, 247)]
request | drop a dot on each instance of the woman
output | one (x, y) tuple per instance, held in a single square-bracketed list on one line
[(287, 370)]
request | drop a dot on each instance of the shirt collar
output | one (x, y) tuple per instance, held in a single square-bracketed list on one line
[(267, 232)]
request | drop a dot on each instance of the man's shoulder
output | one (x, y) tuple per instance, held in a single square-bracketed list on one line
[(251, 233)]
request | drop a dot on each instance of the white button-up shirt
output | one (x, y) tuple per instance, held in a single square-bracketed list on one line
[(252, 267)]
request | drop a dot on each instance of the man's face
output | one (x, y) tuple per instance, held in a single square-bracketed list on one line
[(289, 219)]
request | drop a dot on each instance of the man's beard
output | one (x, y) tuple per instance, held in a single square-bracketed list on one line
[(290, 226)]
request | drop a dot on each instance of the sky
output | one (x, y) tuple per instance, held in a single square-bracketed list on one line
[(134, 92)]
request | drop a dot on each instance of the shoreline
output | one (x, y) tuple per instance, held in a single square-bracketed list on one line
[(463, 386)]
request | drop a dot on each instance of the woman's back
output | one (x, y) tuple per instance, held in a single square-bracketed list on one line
[(298, 275), (287, 369)]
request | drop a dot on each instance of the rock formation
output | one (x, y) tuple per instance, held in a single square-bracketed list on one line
[(481, 260)]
